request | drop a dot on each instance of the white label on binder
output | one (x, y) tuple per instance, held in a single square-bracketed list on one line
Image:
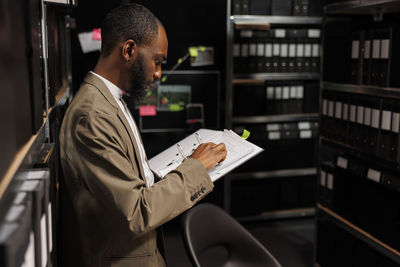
[(338, 110), (386, 118), (307, 50), (360, 114), (253, 50), (353, 113), (315, 50), (385, 45), (43, 240), (270, 92), (260, 50), (325, 107), (268, 50), (246, 34), (329, 183), (278, 92), (274, 135), (355, 49), (276, 50), (293, 93), (29, 258), (375, 118), (50, 232), (292, 50), (280, 33), (395, 122), (284, 50), (330, 108), (300, 92), (272, 127), (300, 50), (19, 198), (285, 92), (367, 49), (314, 33), (236, 50), (322, 180), (305, 134), (304, 125), (367, 116), (342, 162), (245, 50), (376, 48), (29, 185), (35, 174), (345, 112), (374, 175)]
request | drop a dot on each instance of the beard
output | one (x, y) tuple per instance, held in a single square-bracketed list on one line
[(137, 82)]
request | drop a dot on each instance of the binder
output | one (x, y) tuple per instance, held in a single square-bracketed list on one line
[(279, 34), (245, 8), (245, 37), (281, 7), (376, 37), (270, 99), (356, 55), (300, 7), (36, 188), (352, 122), (311, 96), (261, 37), (260, 7), (386, 144), (237, 61), (268, 45), (366, 58), (341, 115), (252, 56), (289, 193), (314, 36), (292, 35), (300, 50), (385, 55), (236, 7)]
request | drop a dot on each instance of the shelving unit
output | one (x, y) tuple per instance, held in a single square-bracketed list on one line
[(359, 182), (266, 126)]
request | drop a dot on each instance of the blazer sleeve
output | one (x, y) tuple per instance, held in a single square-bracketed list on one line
[(114, 181)]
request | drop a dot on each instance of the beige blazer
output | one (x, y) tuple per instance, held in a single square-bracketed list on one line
[(108, 215)]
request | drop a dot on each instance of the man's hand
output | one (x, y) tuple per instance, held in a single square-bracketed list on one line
[(209, 154)]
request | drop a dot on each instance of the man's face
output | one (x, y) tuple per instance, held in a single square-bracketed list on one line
[(146, 68)]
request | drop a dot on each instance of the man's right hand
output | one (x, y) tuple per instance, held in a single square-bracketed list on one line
[(209, 154)]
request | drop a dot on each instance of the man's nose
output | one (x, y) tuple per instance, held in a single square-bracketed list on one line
[(157, 74)]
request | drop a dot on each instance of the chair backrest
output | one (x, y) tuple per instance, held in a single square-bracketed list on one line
[(206, 226)]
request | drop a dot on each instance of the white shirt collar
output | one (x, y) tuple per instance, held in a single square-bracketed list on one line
[(115, 90)]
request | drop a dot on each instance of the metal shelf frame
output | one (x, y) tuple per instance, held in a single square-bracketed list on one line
[(385, 92), (277, 118), (279, 215), (278, 76), (360, 234), (255, 21), (363, 7)]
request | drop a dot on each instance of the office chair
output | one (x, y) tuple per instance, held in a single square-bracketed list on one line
[(207, 226)]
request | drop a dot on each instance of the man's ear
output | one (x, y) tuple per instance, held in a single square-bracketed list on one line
[(129, 50)]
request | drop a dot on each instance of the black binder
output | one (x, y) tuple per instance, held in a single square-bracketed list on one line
[(356, 57), (385, 56), (260, 7), (292, 36), (281, 7), (268, 46), (366, 58), (314, 36), (236, 7), (300, 50)]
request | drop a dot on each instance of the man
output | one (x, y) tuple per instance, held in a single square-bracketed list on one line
[(117, 202)]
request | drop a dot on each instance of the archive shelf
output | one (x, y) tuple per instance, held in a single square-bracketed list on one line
[(240, 79), (362, 7), (359, 233)]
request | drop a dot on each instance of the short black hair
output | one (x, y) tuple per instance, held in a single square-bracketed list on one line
[(129, 21)]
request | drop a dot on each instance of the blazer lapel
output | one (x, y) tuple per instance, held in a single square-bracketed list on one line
[(99, 84)]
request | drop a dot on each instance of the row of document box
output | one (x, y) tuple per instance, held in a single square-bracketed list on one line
[(365, 194), (277, 7), (363, 54), (282, 193), (365, 123), (336, 247), (26, 234), (276, 98), (287, 145), (277, 50)]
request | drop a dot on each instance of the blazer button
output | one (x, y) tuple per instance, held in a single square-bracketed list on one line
[(192, 198), (203, 189)]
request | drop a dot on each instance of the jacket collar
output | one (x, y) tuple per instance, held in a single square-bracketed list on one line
[(99, 84)]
